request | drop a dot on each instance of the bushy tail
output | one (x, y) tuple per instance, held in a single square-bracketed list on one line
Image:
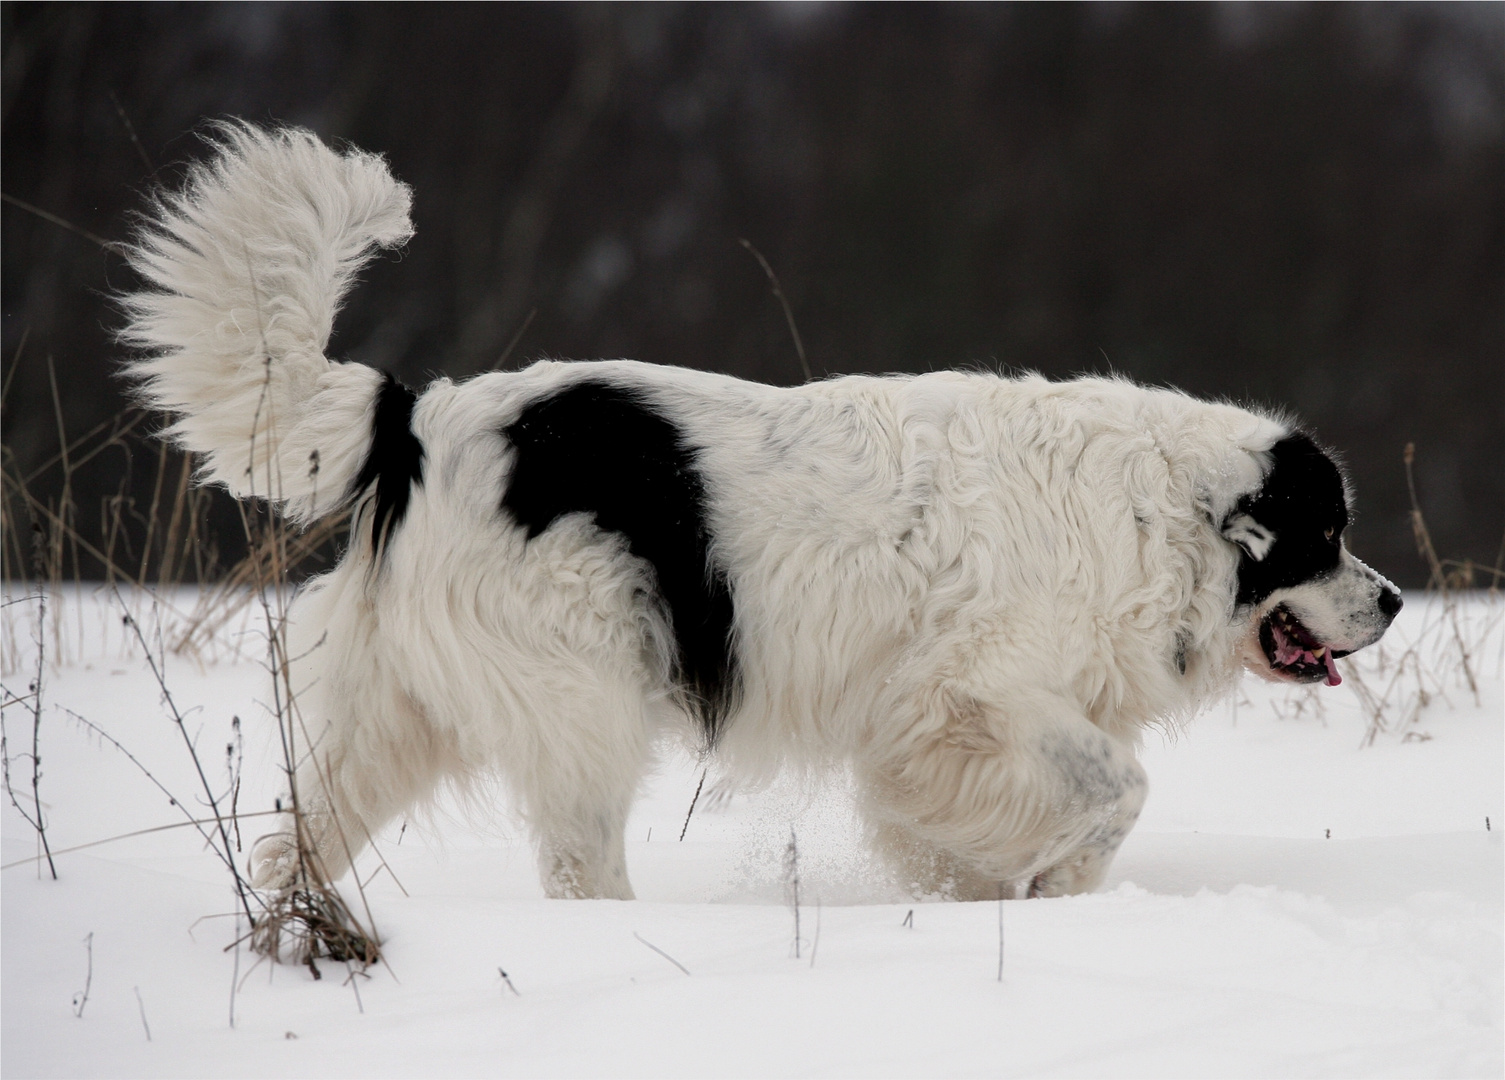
[(247, 266)]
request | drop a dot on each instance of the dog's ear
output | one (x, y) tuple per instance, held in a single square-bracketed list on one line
[(1254, 538)]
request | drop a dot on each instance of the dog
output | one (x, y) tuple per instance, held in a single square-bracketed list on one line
[(972, 592)]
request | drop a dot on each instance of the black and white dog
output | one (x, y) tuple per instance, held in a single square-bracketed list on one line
[(973, 592)]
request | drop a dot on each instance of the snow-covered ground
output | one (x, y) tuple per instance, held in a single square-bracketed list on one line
[(1292, 903)]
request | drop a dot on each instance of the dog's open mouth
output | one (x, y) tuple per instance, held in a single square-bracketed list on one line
[(1295, 652)]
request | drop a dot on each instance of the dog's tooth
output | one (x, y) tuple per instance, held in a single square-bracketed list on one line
[(1319, 651)]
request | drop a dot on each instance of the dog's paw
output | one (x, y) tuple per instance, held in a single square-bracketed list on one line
[(1081, 873), (274, 861)]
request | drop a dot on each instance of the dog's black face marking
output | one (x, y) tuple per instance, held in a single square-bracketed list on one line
[(1298, 517), (602, 450), (394, 462)]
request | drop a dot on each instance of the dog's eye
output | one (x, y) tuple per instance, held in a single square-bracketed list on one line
[(1330, 532)]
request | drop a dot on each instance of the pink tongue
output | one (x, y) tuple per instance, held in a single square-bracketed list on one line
[(1288, 652), (1333, 678)]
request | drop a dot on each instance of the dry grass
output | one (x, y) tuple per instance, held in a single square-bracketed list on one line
[(1396, 684), (309, 922), (310, 918), (147, 551)]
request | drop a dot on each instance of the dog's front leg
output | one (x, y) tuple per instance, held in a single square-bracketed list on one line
[(991, 797), (1084, 868)]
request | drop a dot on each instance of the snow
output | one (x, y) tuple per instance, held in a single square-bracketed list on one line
[(1297, 900)]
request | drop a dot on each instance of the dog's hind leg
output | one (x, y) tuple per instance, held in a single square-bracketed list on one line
[(581, 854), (579, 821), (362, 748), (357, 776), (575, 796)]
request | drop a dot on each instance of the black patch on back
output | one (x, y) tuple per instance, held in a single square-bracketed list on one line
[(394, 461), (598, 449), (1300, 501)]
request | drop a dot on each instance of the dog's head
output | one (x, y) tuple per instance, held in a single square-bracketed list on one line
[(1307, 599)]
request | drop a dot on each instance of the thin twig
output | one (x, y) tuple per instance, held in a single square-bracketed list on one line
[(120, 431), (197, 823), (15, 364), (501, 361), (107, 245), (190, 823), (792, 878), (130, 129), (82, 998), (142, 1006), (241, 888), (693, 801), (1000, 931), (311, 912), (778, 291), (1424, 545), (60, 523), (235, 753), (235, 970), (350, 979), (661, 952), (36, 819)]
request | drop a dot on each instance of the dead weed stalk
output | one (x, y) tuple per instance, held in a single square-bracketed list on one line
[(309, 918), (146, 552), (1396, 684)]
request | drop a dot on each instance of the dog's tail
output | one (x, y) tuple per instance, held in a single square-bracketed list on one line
[(245, 268)]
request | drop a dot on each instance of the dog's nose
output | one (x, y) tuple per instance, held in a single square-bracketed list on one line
[(1390, 602)]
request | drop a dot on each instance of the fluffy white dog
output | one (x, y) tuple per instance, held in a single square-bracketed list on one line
[(974, 592)]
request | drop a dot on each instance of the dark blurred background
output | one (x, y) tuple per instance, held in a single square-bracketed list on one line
[(1299, 206)]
